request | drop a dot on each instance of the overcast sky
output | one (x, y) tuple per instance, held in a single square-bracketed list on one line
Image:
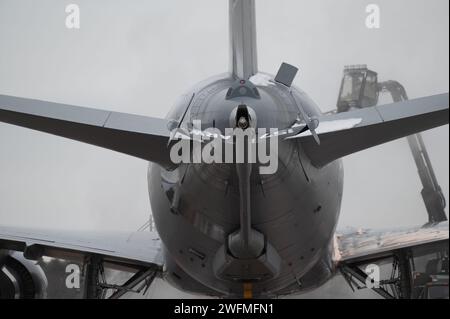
[(139, 56)]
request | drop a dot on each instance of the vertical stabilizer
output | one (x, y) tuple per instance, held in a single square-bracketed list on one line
[(244, 62)]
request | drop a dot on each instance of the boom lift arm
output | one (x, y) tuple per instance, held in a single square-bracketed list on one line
[(432, 194)]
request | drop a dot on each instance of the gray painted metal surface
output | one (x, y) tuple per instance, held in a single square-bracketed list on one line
[(243, 50), (140, 248), (286, 74), (134, 135), (379, 124)]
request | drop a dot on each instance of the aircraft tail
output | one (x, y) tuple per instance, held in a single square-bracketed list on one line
[(243, 50)]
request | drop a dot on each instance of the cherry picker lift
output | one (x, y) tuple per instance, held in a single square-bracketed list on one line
[(360, 89)]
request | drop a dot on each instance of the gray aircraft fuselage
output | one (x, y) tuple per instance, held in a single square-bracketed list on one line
[(196, 206)]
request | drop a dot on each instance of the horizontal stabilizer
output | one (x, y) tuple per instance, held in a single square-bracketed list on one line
[(350, 132), (138, 136)]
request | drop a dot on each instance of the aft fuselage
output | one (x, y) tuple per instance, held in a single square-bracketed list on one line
[(196, 206)]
